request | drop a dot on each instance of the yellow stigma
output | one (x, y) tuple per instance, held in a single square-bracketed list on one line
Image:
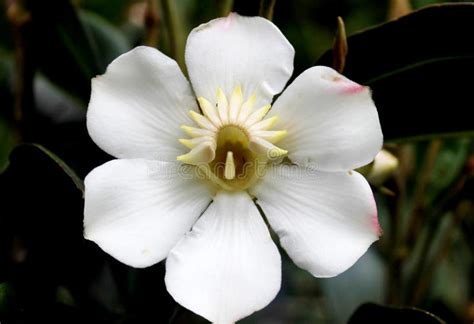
[(231, 141), (229, 171)]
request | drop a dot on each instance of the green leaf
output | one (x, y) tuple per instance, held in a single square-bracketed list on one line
[(416, 67), (70, 172), (6, 296), (373, 313)]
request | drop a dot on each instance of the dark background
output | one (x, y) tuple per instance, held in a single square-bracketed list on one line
[(419, 68)]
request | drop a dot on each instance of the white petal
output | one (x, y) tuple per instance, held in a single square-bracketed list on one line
[(136, 210), (332, 122), (227, 267), (325, 220), (250, 52), (138, 105)]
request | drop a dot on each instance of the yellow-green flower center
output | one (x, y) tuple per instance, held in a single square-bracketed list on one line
[(233, 142)]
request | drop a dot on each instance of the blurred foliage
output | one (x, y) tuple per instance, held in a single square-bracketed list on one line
[(372, 313), (416, 67)]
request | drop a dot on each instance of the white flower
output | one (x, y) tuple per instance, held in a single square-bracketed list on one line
[(221, 262)]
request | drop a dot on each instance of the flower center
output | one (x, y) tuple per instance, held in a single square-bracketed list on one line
[(233, 142)]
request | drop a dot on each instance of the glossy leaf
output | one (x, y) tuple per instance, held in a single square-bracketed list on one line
[(417, 67)]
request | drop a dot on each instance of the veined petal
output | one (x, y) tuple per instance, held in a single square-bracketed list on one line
[(332, 122), (325, 220), (136, 210), (227, 267), (250, 52), (138, 105)]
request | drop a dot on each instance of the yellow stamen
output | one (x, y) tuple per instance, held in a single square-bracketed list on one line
[(263, 147), (246, 108), (191, 143), (264, 124), (196, 132), (258, 115), (235, 104), (201, 120), (203, 153), (209, 111), (222, 106), (271, 136)]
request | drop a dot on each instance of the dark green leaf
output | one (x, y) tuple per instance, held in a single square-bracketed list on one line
[(6, 82), (70, 172), (114, 13), (448, 166), (42, 245), (6, 143), (43, 252), (107, 40), (417, 67), (62, 46), (76, 48), (373, 313)]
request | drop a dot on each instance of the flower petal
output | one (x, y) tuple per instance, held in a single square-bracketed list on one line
[(138, 105), (250, 52), (325, 220), (227, 267), (136, 210), (332, 122)]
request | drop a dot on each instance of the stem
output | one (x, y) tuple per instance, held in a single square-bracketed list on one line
[(397, 255), (24, 68), (416, 219), (174, 314), (175, 31), (225, 7), (447, 201), (152, 23), (445, 246), (266, 8)]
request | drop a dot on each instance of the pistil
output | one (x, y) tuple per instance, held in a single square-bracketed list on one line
[(229, 170)]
